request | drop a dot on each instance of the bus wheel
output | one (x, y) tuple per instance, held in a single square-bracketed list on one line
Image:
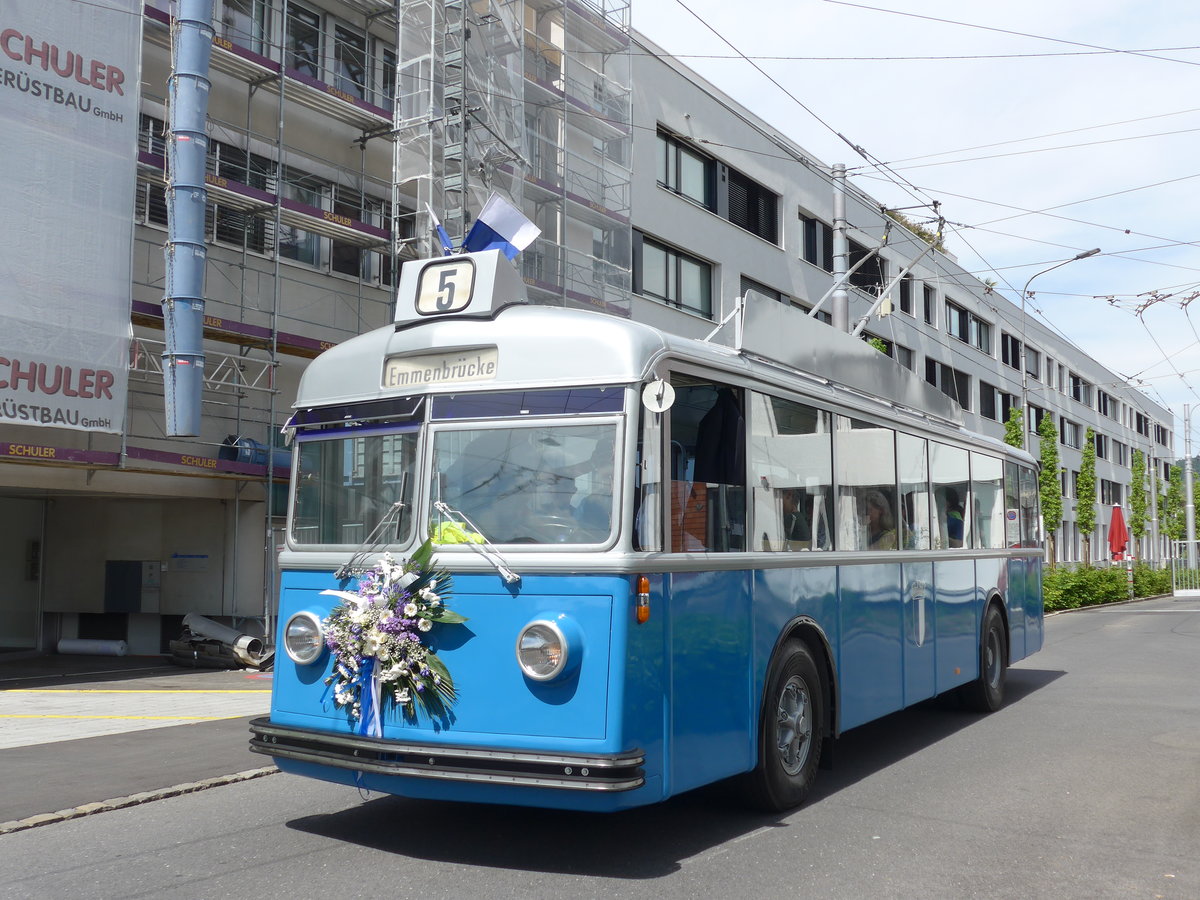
[(790, 733), (986, 693)]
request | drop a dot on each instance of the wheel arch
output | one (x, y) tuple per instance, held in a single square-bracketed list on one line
[(806, 630), (996, 599)]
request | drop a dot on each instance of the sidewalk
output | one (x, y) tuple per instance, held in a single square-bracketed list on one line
[(77, 731)]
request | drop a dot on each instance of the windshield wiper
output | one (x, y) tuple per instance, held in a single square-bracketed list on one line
[(355, 565), (483, 546)]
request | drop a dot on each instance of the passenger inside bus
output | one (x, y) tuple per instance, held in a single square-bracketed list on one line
[(879, 523), (802, 520), (954, 518)]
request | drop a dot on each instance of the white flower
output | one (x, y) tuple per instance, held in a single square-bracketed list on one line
[(410, 609), (429, 596), (424, 625), (402, 696)]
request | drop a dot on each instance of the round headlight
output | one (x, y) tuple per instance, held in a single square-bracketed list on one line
[(303, 638), (541, 650)]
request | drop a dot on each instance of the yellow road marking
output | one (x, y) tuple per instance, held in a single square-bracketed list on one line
[(88, 690), (148, 718)]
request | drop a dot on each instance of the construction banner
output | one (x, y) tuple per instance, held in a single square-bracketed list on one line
[(69, 75)]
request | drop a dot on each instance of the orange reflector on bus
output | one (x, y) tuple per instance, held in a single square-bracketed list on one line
[(642, 604)]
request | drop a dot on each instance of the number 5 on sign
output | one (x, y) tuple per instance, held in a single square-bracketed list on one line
[(445, 288)]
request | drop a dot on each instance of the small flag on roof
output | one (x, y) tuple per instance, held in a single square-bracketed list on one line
[(447, 246), (500, 226)]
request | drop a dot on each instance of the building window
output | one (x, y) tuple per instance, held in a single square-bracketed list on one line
[(951, 382), (343, 257), (1141, 424), (296, 243), (968, 327), (1110, 492), (672, 276), (725, 191), (930, 305), (1101, 445), (686, 172), (981, 335), (1161, 435), (818, 242), (1007, 403), (243, 22), (900, 354), (1068, 433), (386, 78), (906, 295), (1033, 363), (1120, 453), (749, 284), (233, 226), (987, 400), (872, 275), (752, 206), (1010, 350), (350, 62), (303, 41), (1034, 421), (1081, 390), (957, 321)]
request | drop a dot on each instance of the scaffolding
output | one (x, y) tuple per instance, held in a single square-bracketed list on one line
[(354, 128)]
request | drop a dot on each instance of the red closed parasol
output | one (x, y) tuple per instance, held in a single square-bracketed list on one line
[(1118, 534)]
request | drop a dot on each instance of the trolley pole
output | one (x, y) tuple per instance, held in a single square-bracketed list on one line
[(840, 312)]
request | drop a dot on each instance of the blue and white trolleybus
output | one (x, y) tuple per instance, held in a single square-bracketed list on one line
[(557, 558)]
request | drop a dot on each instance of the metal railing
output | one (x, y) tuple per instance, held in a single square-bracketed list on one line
[(1185, 573)]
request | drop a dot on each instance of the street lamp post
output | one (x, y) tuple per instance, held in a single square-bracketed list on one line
[(1027, 419)]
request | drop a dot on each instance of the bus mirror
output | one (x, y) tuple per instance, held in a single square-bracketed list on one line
[(658, 396)]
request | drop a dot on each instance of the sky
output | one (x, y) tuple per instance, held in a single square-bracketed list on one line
[(1043, 129)]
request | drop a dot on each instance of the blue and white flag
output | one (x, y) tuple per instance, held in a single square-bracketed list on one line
[(500, 226), (447, 245)]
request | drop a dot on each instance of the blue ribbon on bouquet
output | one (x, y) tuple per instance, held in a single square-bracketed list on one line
[(367, 682)]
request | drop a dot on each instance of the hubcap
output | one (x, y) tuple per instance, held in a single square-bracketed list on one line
[(991, 658), (793, 725)]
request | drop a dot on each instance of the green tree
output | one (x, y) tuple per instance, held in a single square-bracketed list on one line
[(1137, 497), (1173, 517), (1014, 428), (1085, 502), (1049, 485)]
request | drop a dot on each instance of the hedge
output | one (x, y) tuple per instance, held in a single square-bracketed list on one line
[(1064, 588)]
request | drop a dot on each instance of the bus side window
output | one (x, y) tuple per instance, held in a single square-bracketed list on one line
[(791, 476), (708, 493), (951, 491)]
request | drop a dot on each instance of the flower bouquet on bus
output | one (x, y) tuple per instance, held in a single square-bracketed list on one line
[(380, 640)]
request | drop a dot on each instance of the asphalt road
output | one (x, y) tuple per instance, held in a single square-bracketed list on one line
[(1086, 785)]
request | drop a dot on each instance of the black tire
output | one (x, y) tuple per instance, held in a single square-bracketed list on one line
[(986, 693), (791, 730)]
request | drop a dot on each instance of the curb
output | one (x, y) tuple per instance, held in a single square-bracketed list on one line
[(88, 809), (1126, 602)]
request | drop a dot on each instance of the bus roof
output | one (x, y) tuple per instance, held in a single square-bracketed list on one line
[(529, 346)]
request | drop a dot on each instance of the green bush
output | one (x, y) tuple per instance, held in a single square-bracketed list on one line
[(1064, 588), (1149, 582), (1072, 588)]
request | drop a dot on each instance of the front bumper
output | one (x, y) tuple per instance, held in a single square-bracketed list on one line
[(476, 765)]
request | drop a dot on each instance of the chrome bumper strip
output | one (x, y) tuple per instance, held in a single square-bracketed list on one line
[(568, 771)]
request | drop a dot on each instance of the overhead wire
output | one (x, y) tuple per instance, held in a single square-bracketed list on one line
[(1039, 37)]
